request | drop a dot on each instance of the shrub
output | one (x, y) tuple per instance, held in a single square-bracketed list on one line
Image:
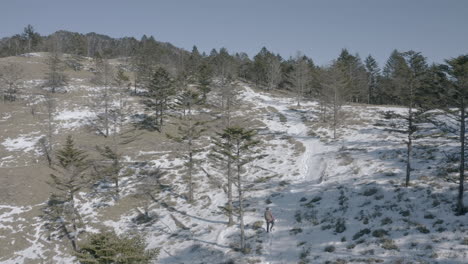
[(386, 221), (465, 241), (351, 246), (301, 243), (330, 248), (361, 233), (340, 226), (423, 229), (429, 216), (379, 233), (388, 244), (257, 225), (370, 191), (298, 216), (107, 247), (405, 213), (295, 231)]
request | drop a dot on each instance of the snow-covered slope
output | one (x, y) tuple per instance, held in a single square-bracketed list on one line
[(335, 201)]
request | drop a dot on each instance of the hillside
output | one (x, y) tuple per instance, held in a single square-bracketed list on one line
[(335, 200)]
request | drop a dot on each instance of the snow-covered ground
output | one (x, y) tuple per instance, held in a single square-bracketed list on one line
[(24, 143), (335, 201)]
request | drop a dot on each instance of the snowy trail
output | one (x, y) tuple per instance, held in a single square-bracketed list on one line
[(280, 245), (310, 163)]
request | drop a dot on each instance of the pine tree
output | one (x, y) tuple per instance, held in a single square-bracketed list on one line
[(194, 61), (121, 79), (70, 177), (455, 104), (373, 73), (189, 132), (391, 83), (160, 92), (32, 38), (408, 77), (239, 145), (205, 75), (111, 167), (260, 67), (107, 247), (355, 75), (228, 96)]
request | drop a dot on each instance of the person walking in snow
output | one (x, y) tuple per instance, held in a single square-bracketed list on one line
[(270, 220)]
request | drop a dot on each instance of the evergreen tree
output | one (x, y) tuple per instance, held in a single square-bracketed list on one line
[(110, 167), (408, 76), (205, 75), (189, 132), (194, 61), (455, 105), (391, 82), (239, 145), (32, 38), (355, 75), (107, 247), (260, 67), (61, 213), (160, 92), (373, 73)]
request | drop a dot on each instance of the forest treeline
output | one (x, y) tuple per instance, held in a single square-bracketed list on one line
[(362, 80)]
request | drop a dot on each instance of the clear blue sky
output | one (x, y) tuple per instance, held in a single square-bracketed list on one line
[(320, 29)]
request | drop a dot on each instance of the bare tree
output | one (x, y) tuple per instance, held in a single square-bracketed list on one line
[(102, 100), (300, 76), (47, 142), (273, 72), (11, 76), (333, 95), (55, 76)]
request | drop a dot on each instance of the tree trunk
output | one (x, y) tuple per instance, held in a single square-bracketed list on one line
[(409, 146), (241, 205), (229, 162), (106, 111), (190, 164), (74, 235), (335, 114), (230, 207), (460, 205)]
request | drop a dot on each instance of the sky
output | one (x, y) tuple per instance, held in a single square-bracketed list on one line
[(319, 29)]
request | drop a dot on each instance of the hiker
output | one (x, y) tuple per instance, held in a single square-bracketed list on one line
[(270, 220)]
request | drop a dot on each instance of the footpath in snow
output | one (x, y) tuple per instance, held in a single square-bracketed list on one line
[(280, 246)]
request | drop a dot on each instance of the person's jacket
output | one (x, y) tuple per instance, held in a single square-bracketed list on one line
[(268, 216)]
